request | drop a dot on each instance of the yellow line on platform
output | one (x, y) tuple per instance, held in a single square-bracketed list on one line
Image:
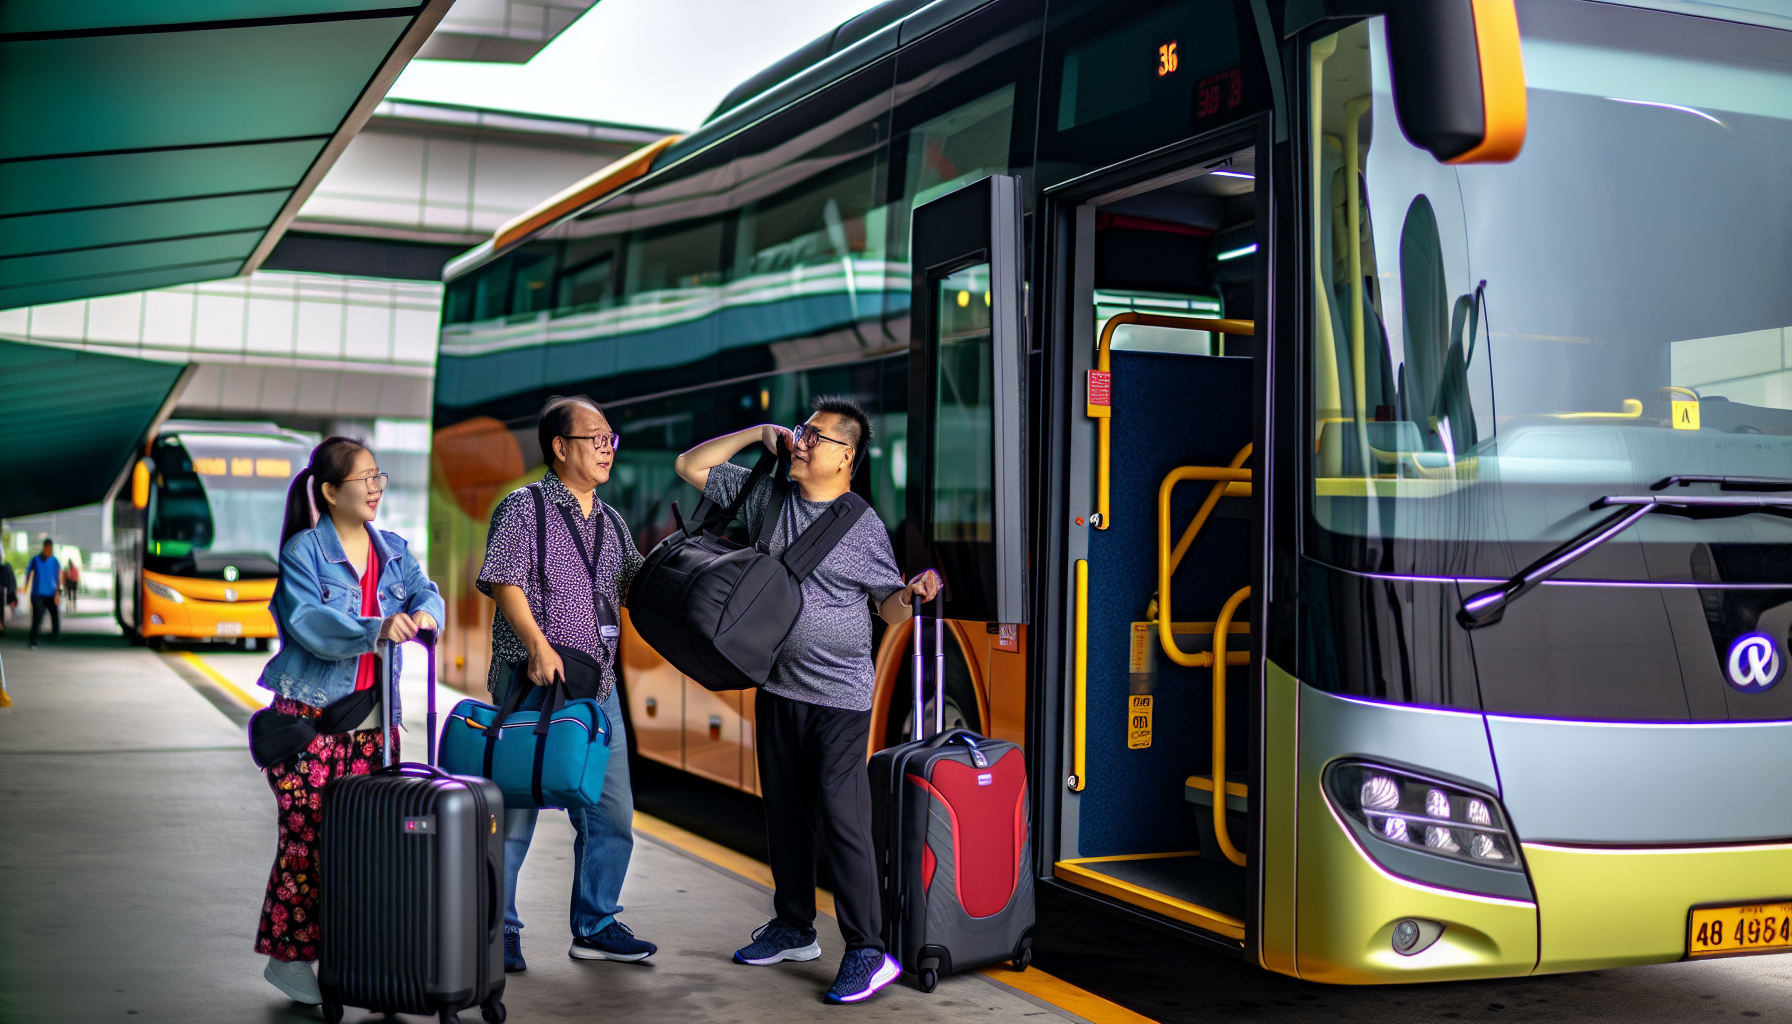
[(1032, 981), (217, 677), (1056, 991)]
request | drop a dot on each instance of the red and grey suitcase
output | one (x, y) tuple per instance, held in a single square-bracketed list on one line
[(952, 822), (412, 865)]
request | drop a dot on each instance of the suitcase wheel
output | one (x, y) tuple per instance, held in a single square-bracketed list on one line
[(930, 979), (332, 1009), (1023, 961), (493, 1012), (448, 1016)]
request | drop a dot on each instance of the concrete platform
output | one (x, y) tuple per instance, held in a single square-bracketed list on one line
[(136, 838)]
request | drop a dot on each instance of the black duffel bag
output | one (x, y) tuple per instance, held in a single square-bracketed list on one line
[(719, 611)]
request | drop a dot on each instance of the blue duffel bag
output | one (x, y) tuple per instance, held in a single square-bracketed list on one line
[(545, 757)]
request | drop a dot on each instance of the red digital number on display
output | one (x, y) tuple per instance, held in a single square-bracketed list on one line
[(1166, 58), (1219, 92)]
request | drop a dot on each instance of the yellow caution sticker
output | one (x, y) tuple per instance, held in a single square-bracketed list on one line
[(1138, 721), (1140, 660), (1686, 415)]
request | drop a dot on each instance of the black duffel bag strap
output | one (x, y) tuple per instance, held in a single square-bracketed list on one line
[(541, 547), (717, 517), (774, 508), (807, 551)]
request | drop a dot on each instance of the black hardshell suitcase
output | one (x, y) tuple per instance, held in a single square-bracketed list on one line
[(412, 865), (952, 822)]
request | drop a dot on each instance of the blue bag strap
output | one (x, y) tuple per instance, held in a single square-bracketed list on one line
[(551, 707), (513, 700)]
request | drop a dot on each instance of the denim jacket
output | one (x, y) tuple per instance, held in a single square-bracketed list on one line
[(317, 609)]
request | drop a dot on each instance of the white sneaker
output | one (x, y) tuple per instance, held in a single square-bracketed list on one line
[(294, 978)]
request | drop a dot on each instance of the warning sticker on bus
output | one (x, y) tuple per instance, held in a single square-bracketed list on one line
[(1744, 928)]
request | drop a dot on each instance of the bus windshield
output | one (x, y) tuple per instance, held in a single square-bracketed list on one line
[(218, 501), (1497, 346)]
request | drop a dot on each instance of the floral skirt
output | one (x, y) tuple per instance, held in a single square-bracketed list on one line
[(289, 912)]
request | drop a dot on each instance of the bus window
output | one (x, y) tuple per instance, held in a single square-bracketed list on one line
[(963, 410)]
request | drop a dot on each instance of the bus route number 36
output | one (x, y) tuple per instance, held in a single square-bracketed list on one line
[(1751, 928)]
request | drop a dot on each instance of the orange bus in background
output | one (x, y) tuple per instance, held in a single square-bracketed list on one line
[(197, 533)]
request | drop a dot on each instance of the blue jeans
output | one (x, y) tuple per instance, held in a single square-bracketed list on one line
[(601, 852)]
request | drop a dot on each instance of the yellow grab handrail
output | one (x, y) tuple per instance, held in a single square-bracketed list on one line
[(1077, 778), (1168, 559), (1101, 413), (1221, 628)]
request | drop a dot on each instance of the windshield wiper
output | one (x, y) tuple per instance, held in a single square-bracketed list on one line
[(1486, 607), (1726, 483)]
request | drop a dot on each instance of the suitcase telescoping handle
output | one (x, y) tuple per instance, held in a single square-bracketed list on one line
[(389, 687), (918, 731)]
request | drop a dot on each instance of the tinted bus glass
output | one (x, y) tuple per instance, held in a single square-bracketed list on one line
[(1126, 78)]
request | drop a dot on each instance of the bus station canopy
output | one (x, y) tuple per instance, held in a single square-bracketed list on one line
[(70, 422), (148, 143)]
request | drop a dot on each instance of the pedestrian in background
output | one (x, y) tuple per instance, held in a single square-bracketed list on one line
[(813, 716), (562, 588), (43, 582), (71, 583), (9, 594), (344, 586)]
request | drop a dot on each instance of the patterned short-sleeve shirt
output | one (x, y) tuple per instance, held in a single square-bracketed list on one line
[(564, 613)]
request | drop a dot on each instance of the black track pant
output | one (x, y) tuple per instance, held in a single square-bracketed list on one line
[(40, 604), (812, 774)]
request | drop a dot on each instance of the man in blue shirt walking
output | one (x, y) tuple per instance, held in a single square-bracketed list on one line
[(43, 581)]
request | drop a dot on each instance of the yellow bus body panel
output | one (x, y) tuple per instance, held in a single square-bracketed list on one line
[(1348, 908), (205, 607), (1281, 777), (1612, 908)]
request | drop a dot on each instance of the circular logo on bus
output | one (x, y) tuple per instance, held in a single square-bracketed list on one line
[(230, 574), (1754, 663)]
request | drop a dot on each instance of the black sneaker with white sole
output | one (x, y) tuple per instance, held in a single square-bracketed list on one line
[(614, 942), (778, 940)]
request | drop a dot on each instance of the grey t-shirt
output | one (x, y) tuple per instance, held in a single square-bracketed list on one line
[(827, 658)]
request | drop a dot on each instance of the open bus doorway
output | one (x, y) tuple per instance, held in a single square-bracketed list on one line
[(1163, 292)]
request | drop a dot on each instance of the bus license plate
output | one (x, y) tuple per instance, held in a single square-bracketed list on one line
[(230, 629), (1746, 928)]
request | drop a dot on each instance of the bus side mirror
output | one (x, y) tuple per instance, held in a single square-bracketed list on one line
[(1458, 77), (140, 484)]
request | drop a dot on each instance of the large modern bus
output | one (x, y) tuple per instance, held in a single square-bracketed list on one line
[(1356, 437), (196, 532)]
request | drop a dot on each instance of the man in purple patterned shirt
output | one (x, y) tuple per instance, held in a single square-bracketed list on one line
[(590, 560)]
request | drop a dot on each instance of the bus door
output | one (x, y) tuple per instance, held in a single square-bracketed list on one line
[(1155, 803), (967, 504)]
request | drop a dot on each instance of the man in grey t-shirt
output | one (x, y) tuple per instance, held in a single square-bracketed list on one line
[(813, 715)]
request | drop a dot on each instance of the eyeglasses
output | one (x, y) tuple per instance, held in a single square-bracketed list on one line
[(600, 442), (375, 483), (807, 435)]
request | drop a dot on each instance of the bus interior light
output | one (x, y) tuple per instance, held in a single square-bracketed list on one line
[(1232, 254)]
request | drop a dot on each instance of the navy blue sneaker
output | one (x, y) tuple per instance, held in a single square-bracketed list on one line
[(862, 973), (614, 942), (779, 940), (513, 953)]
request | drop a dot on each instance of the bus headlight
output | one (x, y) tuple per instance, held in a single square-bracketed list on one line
[(1431, 831), (164, 591)]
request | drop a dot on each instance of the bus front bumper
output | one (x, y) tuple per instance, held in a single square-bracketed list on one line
[(205, 620)]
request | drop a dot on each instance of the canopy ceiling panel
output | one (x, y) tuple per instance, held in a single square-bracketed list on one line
[(71, 422), (146, 143)]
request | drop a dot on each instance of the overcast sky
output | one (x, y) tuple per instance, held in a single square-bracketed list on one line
[(660, 63)]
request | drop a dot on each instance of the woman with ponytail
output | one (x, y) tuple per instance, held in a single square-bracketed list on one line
[(344, 586)]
